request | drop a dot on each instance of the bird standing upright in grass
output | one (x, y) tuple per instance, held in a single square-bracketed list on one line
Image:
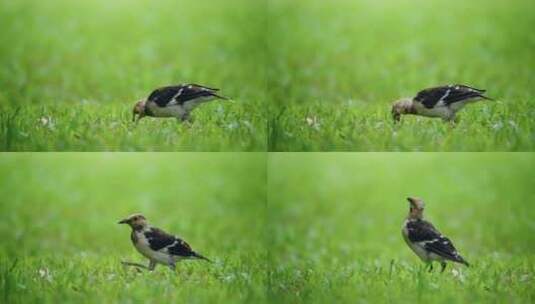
[(443, 102), (174, 101), (157, 245), (425, 240)]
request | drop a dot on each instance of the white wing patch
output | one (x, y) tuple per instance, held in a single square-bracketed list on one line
[(173, 100), (440, 102)]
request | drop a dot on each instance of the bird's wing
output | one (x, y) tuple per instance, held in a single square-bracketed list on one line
[(160, 240), (425, 234), (180, 248), (164, 95), (180, 94), (446, 95), (193, 91)]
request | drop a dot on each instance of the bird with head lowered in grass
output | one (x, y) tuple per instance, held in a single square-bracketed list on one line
[(157, 245), (174, 101), (425, 240), (442, 101)]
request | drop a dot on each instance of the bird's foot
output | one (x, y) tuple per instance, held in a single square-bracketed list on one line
[(452, 121), (443, 264), (187, 124), (186, 118)]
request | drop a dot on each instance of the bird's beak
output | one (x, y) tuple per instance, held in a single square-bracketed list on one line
[(412, 200), (396, 115), (139, 116), (123, 221)]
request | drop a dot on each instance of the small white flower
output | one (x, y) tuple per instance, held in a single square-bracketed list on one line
[(313, 122), (47, 121), (233, 125), (458, 275), (497, 126), (44, 273), (513, 124)]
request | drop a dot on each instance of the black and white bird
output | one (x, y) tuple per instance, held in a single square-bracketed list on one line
[(157, 245), (443, 102), (425, 240), (174, 101)]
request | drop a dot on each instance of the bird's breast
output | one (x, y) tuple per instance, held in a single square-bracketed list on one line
[(143, 246), (167, 111), (437, 111)]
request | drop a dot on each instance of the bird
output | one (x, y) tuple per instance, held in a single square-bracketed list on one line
[(174, 101), (157, 245), (425, 240), (442, 101)]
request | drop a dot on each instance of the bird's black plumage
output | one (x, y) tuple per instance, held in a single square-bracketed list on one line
[(447, 95), (433, 241), (181, 94), (159, 239)]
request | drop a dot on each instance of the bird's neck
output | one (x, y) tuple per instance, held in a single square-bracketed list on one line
[(147, 111), (415, 217), (409, 108), (139, 228)]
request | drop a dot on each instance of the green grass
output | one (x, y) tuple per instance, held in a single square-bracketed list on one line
[(61, 242), (72, 70), (304, 75), (335, 227), (337, 66), (308, 228)]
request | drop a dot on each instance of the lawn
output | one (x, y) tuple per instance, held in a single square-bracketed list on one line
[(61, 242), (337, 66), (71, 71), (335, 227)]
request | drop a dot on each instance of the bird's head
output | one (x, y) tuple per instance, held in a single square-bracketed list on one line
[(136, 221), (400, 107), (139, 110), (416, 207)]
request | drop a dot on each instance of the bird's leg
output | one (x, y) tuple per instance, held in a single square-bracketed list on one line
[(451, 119), (172, 266), (185, 117), (152, 265), (430, 266), (135, 265), (443, 264)]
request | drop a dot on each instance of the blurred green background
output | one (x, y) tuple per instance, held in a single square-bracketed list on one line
[(337, 66), (335, 226), (61, 241), (75, 69)]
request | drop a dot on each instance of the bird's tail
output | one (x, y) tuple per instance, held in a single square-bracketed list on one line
[(198, 256), (461, 260), (219, 96), (485, 97)]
